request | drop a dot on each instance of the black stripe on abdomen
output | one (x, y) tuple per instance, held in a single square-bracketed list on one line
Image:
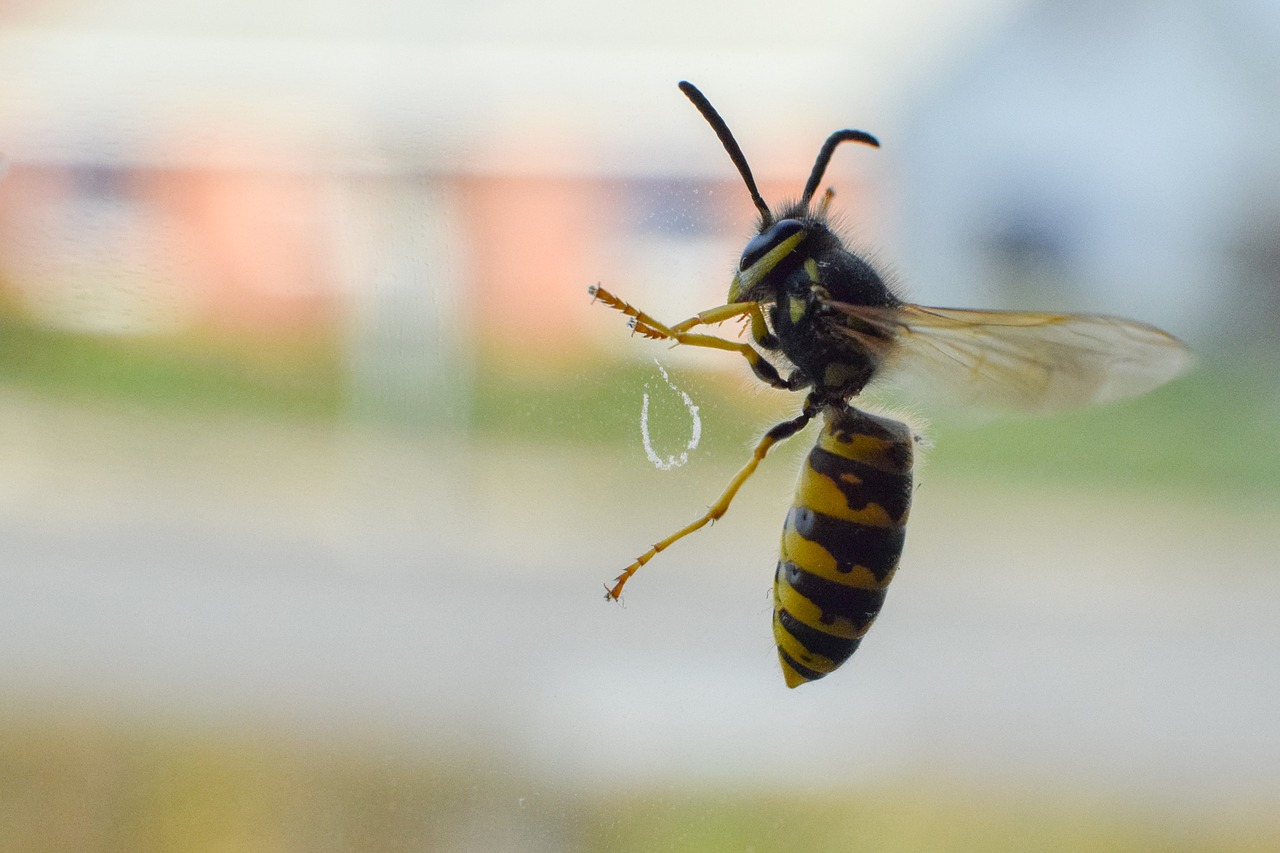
[(862, 484), (803, 671), (850, 543), (837, 649), (836, 601)]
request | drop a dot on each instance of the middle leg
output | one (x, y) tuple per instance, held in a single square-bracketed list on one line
[(781, 432)]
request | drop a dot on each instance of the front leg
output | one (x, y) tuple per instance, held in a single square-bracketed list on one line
[(649, 327), (781, 432)]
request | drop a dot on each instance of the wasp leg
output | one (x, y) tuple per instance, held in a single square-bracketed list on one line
[(759, 329), (798, 379), (647, 326), (781, 432), (712, 315)]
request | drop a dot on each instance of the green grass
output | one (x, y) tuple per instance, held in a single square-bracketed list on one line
[(299, 376), (601, 407), (68, 786), (907, 819), (1215, 432)]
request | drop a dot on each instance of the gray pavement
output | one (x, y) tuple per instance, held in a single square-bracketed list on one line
[(237, 574)]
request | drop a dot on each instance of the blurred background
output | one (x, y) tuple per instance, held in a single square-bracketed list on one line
[(315, 454)]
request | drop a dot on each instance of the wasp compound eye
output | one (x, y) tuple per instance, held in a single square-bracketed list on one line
[(772, 236)]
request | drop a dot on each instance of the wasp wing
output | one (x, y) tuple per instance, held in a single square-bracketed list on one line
[(1017, 360)]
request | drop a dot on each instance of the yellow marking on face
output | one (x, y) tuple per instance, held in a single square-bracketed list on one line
[(745, 280), (811, 267), (821, 494)]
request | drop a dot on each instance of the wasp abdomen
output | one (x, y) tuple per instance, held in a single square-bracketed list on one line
[(841, 541)]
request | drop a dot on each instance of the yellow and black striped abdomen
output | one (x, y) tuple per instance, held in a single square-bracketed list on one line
[(841, 542)]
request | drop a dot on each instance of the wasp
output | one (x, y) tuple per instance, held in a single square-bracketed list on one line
[(829, 315)]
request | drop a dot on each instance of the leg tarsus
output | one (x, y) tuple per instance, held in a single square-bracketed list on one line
[(648, 327), (778, 433)]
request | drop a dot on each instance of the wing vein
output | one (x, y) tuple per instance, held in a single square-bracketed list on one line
[(1021, 360)]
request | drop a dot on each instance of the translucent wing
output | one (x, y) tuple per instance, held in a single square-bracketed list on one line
[(1010, 359)]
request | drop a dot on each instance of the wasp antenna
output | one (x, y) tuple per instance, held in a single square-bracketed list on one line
[(825, 204), (730, 145), (824, 158)]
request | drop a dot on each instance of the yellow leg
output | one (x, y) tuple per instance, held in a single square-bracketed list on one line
[(720, 314), (647, 326), (652, 328), (782, 431), (759, 329)]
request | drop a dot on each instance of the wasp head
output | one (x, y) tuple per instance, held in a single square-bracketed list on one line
[(768, 257), (776, 250)]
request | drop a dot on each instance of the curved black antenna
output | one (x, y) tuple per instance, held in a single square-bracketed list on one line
[(731, 146), (824, 158)]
